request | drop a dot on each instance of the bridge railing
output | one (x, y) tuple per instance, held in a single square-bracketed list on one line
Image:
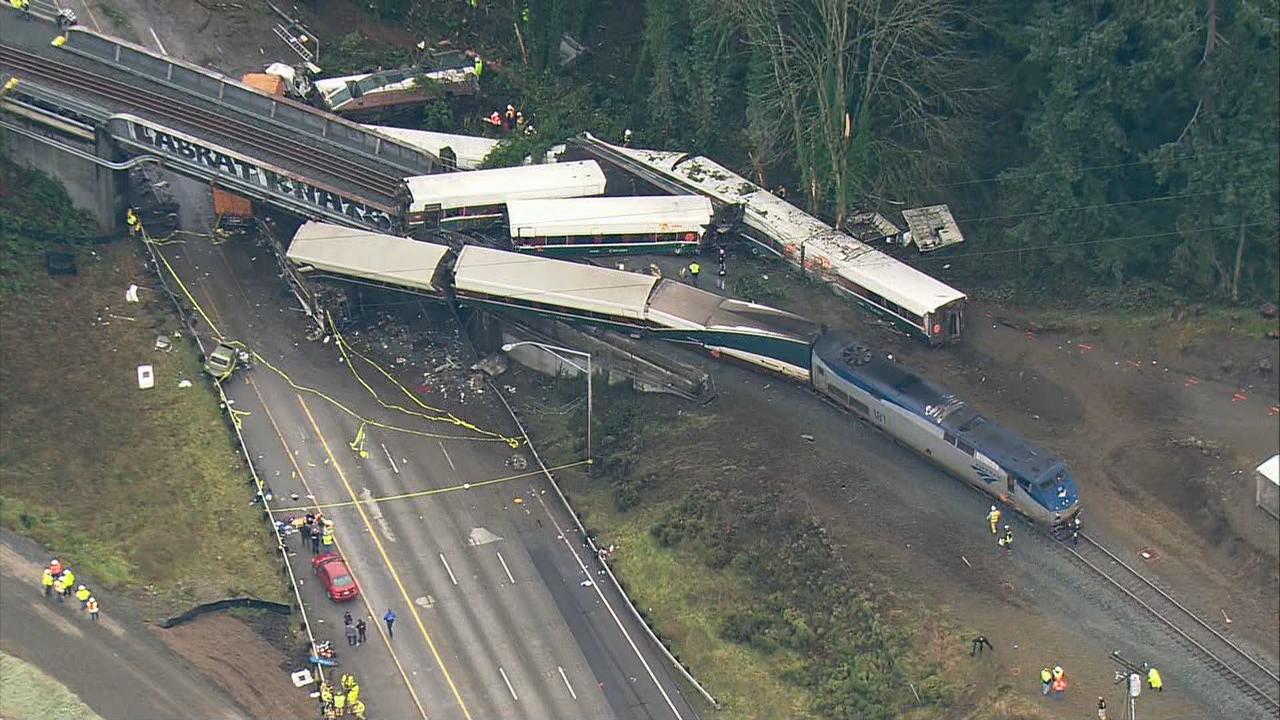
[(289, 114)]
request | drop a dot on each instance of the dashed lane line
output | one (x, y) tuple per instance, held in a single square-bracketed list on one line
[(371, 500), (293, 460), (408, 601)]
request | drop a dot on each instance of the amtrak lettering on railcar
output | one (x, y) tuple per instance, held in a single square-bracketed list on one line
[(275, 182), (940, 426)]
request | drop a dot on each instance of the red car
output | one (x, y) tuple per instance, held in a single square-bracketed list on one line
[(332, 571)]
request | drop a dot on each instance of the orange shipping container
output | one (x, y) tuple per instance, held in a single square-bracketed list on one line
[(269, 84), (228, 205)]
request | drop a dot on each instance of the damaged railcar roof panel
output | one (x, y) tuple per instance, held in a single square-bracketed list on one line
[(377, 258)]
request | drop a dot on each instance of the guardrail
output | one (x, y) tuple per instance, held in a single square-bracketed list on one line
[(281, 547), (291, 115), (635, 612), (671, 658)]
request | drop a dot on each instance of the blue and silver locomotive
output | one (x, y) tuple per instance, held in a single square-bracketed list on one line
[(940, 426)]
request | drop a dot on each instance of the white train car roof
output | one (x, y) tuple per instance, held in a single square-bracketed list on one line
[(609, 216), (470, 150), (843, 255), (856, 261), (574, 286), (366, 255), (493, 187)]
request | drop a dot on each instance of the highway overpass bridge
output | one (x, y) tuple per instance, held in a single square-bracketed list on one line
[(100, 101)]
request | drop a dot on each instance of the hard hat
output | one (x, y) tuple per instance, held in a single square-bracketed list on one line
[(93, 599), (993, 508), (81, 588), (511, 107), (1006, 527), (1057, 669)]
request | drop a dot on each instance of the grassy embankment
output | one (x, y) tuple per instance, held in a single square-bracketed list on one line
[(742, 584), (27, 692), (138, 489)]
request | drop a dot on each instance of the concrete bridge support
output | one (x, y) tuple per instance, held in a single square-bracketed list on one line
[(93, 186)]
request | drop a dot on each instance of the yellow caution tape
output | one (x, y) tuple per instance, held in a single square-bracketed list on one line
[(485, 435), (434, 491)]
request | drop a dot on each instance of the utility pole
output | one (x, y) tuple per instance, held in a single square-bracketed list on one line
[(1131, 675)]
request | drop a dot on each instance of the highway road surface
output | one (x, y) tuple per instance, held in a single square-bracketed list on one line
[(118, 667), (493, 619)]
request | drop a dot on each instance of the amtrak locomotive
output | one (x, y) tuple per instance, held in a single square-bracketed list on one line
[(940, 426)]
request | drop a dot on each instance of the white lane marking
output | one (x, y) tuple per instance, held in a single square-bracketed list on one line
[(57, 621), (446, 567), (504, 567), (508, 682), (158, 43), (446, 455), (26, 572), (393, 460), (565, 678), (481, 536), (564, 537), (375, 512)]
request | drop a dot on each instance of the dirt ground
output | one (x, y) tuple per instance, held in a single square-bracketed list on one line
[(232, 654), (234, 38), (1109, 400)]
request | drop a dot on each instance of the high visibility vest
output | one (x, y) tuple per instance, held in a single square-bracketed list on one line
[(357, 709), (1046, 676), (130, 218), (353, 694), (993, 517), (82, 595), (694, 268), (68, 578), (1153, 679), (326, 695), (47, 579), (339, 701), (327, 538), (1059, 685), (93, 606)]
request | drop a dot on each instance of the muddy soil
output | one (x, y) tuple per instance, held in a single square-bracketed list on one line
[(232, 654), (1120, 400)]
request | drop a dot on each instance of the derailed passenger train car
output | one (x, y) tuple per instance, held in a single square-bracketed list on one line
[(944, 429)]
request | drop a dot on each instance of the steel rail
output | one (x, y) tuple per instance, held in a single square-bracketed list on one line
[(167, 107), (1229, 659)]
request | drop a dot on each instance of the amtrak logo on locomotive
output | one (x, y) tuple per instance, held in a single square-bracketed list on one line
[(275, 183)]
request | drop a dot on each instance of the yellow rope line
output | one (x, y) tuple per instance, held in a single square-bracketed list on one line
[(435, 491), (236, 414)]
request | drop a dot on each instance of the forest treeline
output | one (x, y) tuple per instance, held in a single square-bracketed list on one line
[(1080, 144)]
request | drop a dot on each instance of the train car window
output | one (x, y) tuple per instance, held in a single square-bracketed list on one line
[(859, 407), (966, 447), (951, 439), (839, 395)]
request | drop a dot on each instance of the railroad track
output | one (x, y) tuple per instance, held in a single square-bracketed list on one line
[(1246, 674), (161, 106)]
